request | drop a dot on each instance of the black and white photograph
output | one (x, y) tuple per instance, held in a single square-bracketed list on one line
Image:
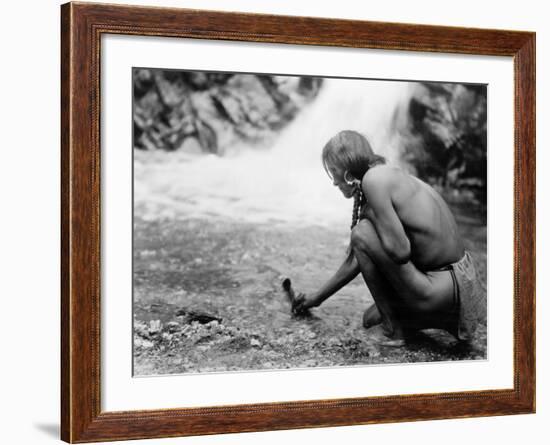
[(286, 221)]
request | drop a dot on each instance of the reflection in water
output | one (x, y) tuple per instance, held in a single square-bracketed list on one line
[(286, 181)]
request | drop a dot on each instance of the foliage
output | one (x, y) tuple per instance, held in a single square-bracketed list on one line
[(448, 143)]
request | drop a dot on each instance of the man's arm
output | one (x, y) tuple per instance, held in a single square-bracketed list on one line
[(379, 189), (345, 273)]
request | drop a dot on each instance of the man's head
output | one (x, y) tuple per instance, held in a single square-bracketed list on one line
[(346, 158)]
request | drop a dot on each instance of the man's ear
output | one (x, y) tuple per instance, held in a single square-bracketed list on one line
[(348, 177)]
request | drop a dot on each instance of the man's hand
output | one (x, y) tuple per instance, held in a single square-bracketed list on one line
[(302, 303)]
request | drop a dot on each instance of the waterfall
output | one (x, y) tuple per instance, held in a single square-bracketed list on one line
[(285, 182)]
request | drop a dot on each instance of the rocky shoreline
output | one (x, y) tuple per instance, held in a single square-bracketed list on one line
[(232, 272)]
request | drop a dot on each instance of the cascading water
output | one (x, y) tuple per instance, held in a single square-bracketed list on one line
[(285, 182)]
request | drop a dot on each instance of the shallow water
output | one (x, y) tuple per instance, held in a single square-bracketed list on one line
[(234, 271)]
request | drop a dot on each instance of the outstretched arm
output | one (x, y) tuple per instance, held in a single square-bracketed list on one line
[(345, 273)]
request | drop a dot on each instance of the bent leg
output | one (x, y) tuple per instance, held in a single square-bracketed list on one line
[(385, 310), (420, 299)]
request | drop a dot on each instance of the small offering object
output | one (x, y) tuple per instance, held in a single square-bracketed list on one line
[(293, 298)]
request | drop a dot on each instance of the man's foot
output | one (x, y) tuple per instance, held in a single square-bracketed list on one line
[(378, 336), (371, 316), (394, 343)]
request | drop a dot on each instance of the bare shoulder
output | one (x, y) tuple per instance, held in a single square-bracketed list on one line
[(385, 178)]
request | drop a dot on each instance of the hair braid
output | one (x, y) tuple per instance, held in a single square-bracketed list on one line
[(357, 204)]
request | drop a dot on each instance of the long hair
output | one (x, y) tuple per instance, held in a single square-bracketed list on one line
[(351, 151)]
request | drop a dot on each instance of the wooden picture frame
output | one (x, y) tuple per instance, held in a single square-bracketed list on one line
[(82, 25)]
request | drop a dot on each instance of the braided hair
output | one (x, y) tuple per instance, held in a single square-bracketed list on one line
[(358, 202), (351, 152)]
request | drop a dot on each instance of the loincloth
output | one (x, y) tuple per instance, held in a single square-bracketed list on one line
[(469, 302)]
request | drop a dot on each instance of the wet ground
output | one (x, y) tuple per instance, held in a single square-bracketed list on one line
[(187, 270)]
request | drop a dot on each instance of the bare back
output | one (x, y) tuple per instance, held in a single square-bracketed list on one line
[(426, 218)]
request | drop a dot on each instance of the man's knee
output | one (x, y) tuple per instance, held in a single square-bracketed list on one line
[(364, 236)]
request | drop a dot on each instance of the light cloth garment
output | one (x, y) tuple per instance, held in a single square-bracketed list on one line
[(470, 301)]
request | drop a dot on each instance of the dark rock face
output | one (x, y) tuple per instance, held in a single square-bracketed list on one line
[(448, 136), (175, 110)]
